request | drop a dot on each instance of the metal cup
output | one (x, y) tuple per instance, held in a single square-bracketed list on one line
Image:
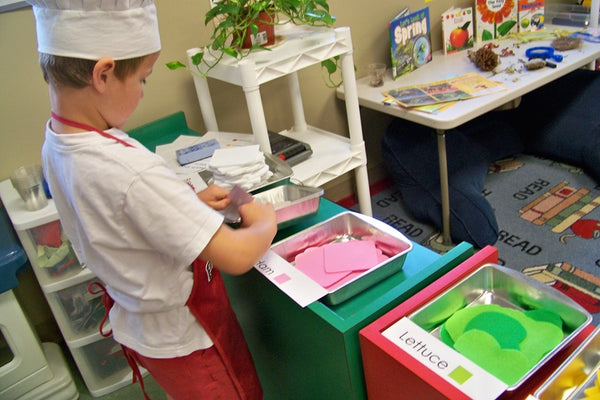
[(28, 181)]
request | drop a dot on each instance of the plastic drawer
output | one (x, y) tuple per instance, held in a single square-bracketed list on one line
[(50, 253), (77, 311), (103, 366)]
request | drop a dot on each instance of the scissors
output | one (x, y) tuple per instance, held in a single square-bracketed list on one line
[(543, 52)]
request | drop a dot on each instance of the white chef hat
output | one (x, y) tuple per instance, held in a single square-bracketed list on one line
[(92, 29)]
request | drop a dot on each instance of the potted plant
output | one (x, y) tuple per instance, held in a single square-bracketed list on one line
[(236, 21)]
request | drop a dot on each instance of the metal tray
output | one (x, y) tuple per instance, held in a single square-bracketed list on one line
[(281, 171), (291, 202), (494, 284), (566, 382), (350, 226)]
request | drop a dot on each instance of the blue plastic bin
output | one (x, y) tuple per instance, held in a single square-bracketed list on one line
[(13, 259)]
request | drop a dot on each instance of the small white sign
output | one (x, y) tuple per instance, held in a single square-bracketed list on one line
[(290, 280), (444, 361)]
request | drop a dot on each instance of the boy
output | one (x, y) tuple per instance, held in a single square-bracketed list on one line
[(138, 227)]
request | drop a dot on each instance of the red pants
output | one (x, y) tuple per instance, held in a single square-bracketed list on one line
[(200, 375)]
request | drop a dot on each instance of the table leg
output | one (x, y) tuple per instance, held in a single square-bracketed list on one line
[(445, 193)]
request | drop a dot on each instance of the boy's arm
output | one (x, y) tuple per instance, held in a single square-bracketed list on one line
[(235, 251)]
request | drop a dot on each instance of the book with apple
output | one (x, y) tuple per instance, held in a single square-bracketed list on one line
[(457, 29)]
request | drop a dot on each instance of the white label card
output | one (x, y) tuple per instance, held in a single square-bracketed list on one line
[(444, 361), (290, 280)]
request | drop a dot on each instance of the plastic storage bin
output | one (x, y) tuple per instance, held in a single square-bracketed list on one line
[(568, 15)]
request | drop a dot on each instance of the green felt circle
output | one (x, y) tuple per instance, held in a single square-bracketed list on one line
[(455, 325), (445, 337), (508, 365), (507, 331), (543, 314), (504, 341)]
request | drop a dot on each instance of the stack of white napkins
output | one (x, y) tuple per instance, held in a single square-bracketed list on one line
[(240, 165)]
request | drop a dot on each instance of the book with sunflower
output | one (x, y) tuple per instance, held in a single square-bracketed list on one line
[(495, 19), (410, 41)]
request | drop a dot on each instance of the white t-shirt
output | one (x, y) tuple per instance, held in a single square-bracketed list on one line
[(138, 228)]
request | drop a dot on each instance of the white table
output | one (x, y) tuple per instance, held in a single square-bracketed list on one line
[(442, 67)]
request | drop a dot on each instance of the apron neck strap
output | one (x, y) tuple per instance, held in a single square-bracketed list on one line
[(79, 125)]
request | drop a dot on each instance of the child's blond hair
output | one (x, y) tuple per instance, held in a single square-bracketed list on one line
[(77, 72)]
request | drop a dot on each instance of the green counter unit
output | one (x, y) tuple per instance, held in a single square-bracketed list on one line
[(313, 353)]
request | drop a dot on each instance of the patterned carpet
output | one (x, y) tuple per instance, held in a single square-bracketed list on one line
[(549, 220)]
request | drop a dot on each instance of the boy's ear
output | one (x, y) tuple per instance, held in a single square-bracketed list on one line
[(103, 70)]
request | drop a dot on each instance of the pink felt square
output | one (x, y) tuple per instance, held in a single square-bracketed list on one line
[(282, 278), (311, 262), (380, 258), (354, 255)]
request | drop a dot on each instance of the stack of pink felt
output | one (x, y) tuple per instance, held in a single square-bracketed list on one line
[(331, 265)]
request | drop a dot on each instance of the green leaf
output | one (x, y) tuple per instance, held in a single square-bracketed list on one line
[(486, 35), (505, 27), (330, 65), (197, 58), (231, 52), (175, 65)]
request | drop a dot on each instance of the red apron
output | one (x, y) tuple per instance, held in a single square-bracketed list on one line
[(209, 304)]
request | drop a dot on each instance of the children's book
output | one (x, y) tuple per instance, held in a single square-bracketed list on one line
[(495, 19), (531, 15), (457, 88), (457, 29), (410, 41)]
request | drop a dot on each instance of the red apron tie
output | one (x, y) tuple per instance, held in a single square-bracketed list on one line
[(79, 125), (108, 302)]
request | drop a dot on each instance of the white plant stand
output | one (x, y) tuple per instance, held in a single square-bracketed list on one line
[(333, 155)]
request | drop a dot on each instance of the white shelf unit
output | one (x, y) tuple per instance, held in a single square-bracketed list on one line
[(77, 313), (333, 155)]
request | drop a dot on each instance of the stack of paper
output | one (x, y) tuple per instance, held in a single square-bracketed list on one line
[(243, 166)]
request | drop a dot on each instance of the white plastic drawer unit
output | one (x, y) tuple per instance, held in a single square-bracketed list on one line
[(64, 282)]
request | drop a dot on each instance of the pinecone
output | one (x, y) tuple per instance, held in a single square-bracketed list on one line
[(485, 58)]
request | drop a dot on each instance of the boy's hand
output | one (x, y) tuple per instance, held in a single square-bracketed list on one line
[(215, 196), (254, 212)]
